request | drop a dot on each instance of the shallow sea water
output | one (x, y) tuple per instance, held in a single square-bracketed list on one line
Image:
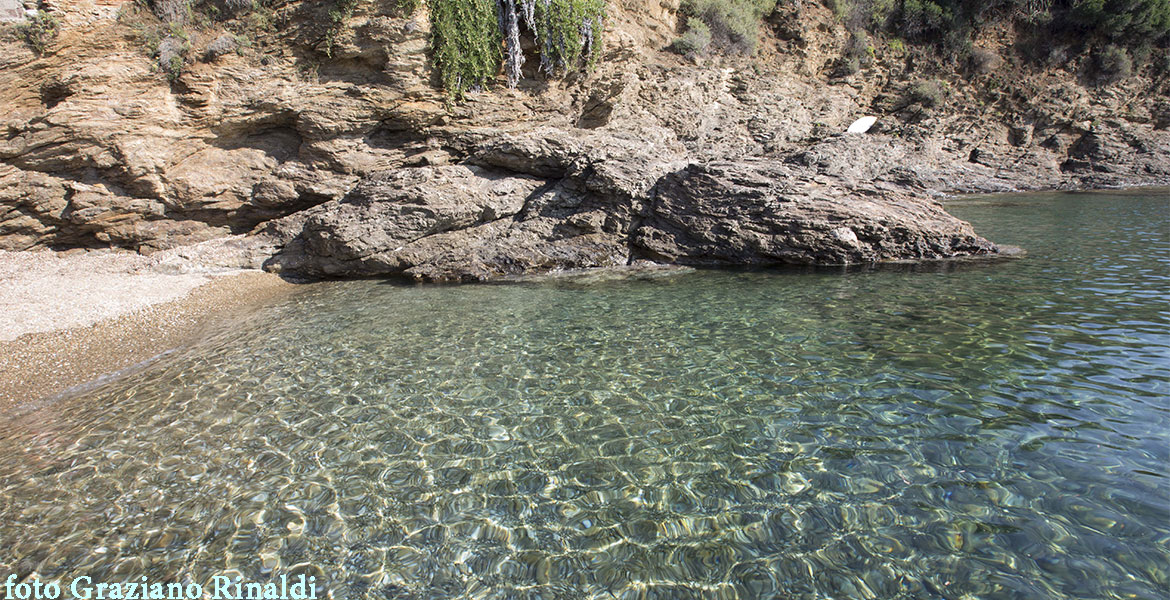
[(984, 430)]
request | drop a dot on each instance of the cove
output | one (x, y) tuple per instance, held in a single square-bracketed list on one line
[(984, 430)]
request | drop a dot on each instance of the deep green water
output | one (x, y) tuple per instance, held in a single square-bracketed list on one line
[(993, 430)]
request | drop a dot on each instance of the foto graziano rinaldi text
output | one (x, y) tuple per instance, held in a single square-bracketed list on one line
[(219, 587)]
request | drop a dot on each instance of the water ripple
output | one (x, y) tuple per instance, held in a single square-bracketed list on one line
[(981, 431)]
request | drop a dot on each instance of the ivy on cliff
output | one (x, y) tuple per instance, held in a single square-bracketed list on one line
[(465, 42), (471, 40)]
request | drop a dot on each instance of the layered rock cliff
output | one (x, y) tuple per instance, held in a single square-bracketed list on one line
[(334, 151)]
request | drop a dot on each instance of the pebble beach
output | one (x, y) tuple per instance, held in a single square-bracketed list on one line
[(70, 318)]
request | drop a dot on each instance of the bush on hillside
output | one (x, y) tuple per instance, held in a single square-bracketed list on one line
[(341, 12), (857, 53), (39, 32), (734, 25), (172, 11), (929, 94), (1161, 62), (221, 46), (1142, 26), (922, 18), (695, 40), (1112, 64), (172, 55), (228, 7), (859, 47), (1130, 19)]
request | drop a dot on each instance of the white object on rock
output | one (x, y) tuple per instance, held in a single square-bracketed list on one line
[(862, 125)]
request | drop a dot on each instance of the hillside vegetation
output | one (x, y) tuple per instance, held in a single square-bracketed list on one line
[(475, 41), (471, 40), (1120, 34)]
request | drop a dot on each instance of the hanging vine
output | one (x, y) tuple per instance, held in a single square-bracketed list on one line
[(465, 43), (472, 39)]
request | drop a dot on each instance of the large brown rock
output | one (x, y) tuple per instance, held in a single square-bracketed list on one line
[(376, 228), (599, 202), (448, 223), (766, 214)]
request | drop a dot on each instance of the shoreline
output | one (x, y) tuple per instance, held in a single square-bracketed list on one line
[(78, 318), (1142, 186), (80, 337)]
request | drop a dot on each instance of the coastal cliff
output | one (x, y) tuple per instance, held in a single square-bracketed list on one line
[(320, 143)]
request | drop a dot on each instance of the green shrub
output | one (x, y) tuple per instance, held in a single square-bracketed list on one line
[(879, 11), (1112, 64), (408, 7), (1132, 20), (221, 46), (172, 11), (923, 18), (734, 25), (695, 40), (223, 9), (927, 93), (341, 12), (858, 47), (856, 54), (950, 25), (261, 18), (40, 32), (172, 54), (1161, 62), (863, 14)]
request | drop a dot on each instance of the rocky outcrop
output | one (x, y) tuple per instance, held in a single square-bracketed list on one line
[(547, 203), (99, 148), (763, 214), (539, 202)]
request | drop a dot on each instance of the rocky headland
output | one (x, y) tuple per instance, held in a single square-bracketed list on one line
[(279, 137)]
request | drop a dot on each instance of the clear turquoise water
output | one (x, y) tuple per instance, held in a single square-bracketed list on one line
[(993, 430)]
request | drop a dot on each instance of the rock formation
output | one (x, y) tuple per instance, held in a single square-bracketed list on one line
[(546, 202)]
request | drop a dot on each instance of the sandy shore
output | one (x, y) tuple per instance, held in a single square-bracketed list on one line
[(69, 318)]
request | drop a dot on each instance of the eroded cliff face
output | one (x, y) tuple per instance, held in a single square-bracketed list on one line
[(100, 149), (355, 164)]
